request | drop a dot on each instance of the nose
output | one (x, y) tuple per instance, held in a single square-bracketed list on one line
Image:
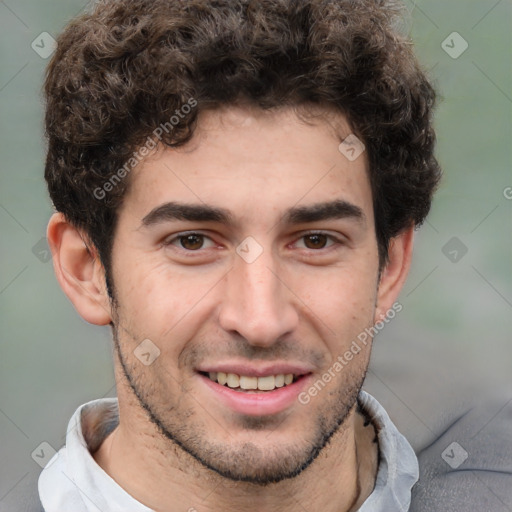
[(258, 304)]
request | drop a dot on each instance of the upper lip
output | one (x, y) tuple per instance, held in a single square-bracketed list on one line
[(261, 370)]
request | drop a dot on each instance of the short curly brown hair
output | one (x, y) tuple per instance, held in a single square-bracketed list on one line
[(128, 66)]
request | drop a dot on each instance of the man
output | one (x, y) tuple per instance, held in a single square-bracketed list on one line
[(237, 184)]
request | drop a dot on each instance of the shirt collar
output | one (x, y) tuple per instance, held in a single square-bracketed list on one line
[(398, 466), (73, 480)]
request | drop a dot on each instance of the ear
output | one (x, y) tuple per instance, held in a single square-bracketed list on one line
[(79, 271), (395, 272)]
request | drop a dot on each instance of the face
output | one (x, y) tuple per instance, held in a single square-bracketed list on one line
[(251, 251)]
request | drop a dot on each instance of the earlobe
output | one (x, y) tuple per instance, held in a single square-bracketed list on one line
[(79, 271), (395, 272)]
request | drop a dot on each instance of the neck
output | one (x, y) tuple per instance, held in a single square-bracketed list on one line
[(162, 476)]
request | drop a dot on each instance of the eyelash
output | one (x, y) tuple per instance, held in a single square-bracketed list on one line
[(191, 253)]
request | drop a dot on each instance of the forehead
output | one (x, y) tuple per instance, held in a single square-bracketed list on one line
[(254, 163)]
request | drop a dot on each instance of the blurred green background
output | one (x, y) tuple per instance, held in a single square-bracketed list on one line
[(451, 343)]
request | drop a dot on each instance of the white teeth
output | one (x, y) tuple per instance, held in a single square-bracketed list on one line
[(267, 383), (279, 380), (248, 382), (233, 380)]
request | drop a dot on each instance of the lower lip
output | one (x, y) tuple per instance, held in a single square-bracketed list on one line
[(258, 404)]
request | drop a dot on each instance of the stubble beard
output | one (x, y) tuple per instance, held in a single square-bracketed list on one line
[(242, 461)]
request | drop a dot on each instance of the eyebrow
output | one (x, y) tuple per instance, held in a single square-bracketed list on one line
[(338, 209)]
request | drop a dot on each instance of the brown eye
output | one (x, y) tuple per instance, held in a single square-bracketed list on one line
[(191, 242), (315, 241)]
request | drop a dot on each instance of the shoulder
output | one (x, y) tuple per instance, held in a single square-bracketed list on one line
[(469, 466)]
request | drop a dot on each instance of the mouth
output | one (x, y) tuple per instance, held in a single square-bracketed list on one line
[(265, 394), (252, 384)]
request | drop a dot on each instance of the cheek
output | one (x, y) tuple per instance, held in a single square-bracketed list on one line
[(161, 303), (341, 302), (341, 291)]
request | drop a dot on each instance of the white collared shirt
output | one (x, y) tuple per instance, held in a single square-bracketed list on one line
[(73, 481)]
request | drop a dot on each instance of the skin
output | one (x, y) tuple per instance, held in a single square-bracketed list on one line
[(298, 301)]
